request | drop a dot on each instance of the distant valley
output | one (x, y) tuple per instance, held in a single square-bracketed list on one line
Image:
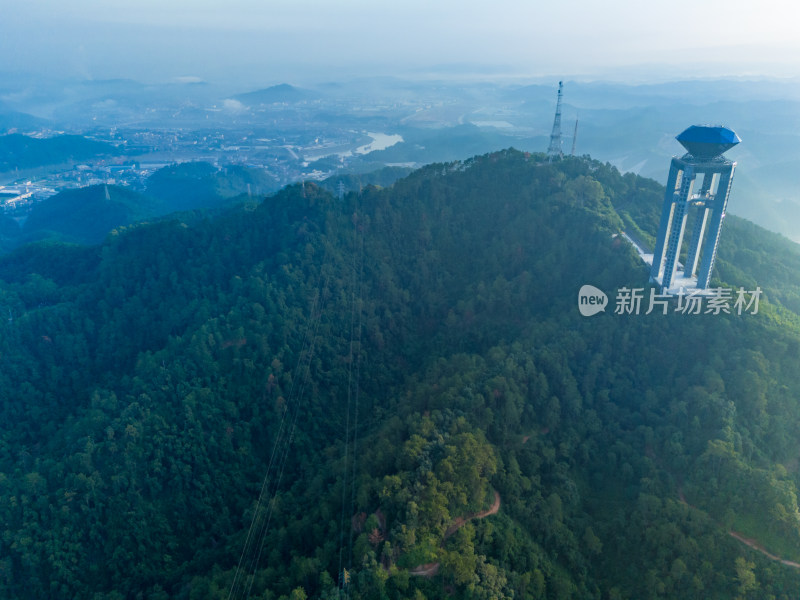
[(306, 133)]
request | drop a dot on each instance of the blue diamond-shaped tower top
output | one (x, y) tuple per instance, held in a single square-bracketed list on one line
[(708, 141)]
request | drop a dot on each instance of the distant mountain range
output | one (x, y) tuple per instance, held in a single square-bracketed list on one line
[(277, 93)]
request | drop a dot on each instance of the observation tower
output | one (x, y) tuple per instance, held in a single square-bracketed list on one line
[(703, 207)]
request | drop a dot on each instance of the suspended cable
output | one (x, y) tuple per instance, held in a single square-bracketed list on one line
[(286, 448), (245, 574), (262, 517), (357, 387), (259, 526), (352, 399)]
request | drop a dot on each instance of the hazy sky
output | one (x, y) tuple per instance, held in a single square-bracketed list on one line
[(267, 41)]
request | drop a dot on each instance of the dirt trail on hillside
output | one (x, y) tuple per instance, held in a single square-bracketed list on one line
[(747, 541), (426, 570), (756, 546), (430, 569), (461, 521)]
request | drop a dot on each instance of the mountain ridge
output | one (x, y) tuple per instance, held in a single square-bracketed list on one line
[(147, 395)]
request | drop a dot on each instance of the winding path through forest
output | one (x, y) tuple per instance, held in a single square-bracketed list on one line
[(745, 540), (756, 546), (430, 569), (461, 521)]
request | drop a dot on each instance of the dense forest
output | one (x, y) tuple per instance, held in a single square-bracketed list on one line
[(393, 395)]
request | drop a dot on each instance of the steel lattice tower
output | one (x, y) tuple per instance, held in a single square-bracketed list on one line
[(554, 150)]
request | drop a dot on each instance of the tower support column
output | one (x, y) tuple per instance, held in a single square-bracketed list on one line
[(675, 171), (697, 238), (675, 239), (715, 227)]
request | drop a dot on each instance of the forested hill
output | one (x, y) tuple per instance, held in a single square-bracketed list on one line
[(397, 363), (87, 215), (24, 152)]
